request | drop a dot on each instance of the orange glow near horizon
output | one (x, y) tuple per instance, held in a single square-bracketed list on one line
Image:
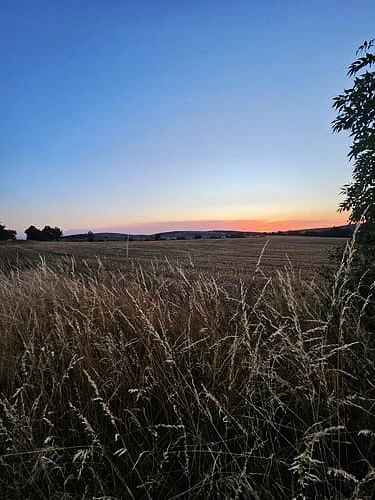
[(289, 224), (256, 225)]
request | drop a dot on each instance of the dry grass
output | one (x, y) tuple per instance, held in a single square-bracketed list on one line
[(168, 379)]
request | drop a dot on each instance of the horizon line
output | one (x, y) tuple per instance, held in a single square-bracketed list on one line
[(243, 225)]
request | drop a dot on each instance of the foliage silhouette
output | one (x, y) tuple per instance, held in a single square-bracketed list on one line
[(356, 108), (356, 115), (7, 234), (48, 233)]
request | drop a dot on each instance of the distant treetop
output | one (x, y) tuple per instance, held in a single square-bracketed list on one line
[(48, 233)]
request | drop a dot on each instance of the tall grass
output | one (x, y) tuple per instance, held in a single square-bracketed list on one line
[(166, 384)]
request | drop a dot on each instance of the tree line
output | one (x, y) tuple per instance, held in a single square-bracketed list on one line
[(48, 233)]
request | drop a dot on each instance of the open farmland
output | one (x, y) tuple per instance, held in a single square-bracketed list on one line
[(224, 258), (164, 370)]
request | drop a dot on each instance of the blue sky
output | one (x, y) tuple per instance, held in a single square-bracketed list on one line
[(150, 115)]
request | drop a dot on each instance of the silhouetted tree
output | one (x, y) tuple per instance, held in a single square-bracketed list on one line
[(7, 234), (356, 108), (51, 233), (356, 115), (90, 236), (33, 233), (48, 233)]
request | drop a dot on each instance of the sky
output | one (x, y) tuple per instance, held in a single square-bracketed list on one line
[(144, 116)]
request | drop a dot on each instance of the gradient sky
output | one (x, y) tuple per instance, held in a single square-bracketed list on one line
[(150, 115)]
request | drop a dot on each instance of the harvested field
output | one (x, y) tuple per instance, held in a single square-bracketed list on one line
[(224, 258)]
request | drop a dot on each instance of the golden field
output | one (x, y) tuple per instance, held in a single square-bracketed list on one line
[(213, 369)]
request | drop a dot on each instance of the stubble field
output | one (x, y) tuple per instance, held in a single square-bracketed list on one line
[(225, 258)]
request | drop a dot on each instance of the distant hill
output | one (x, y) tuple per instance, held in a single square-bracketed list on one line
[(168, 235), (107, 237), (334, 232), (189, 235)]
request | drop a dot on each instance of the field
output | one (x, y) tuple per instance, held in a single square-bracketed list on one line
[(213, 369), (230, 258)]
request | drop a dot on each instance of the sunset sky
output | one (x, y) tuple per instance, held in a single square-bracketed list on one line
[(151, 115)]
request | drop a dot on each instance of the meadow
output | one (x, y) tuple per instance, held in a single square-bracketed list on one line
[(184, 369)]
